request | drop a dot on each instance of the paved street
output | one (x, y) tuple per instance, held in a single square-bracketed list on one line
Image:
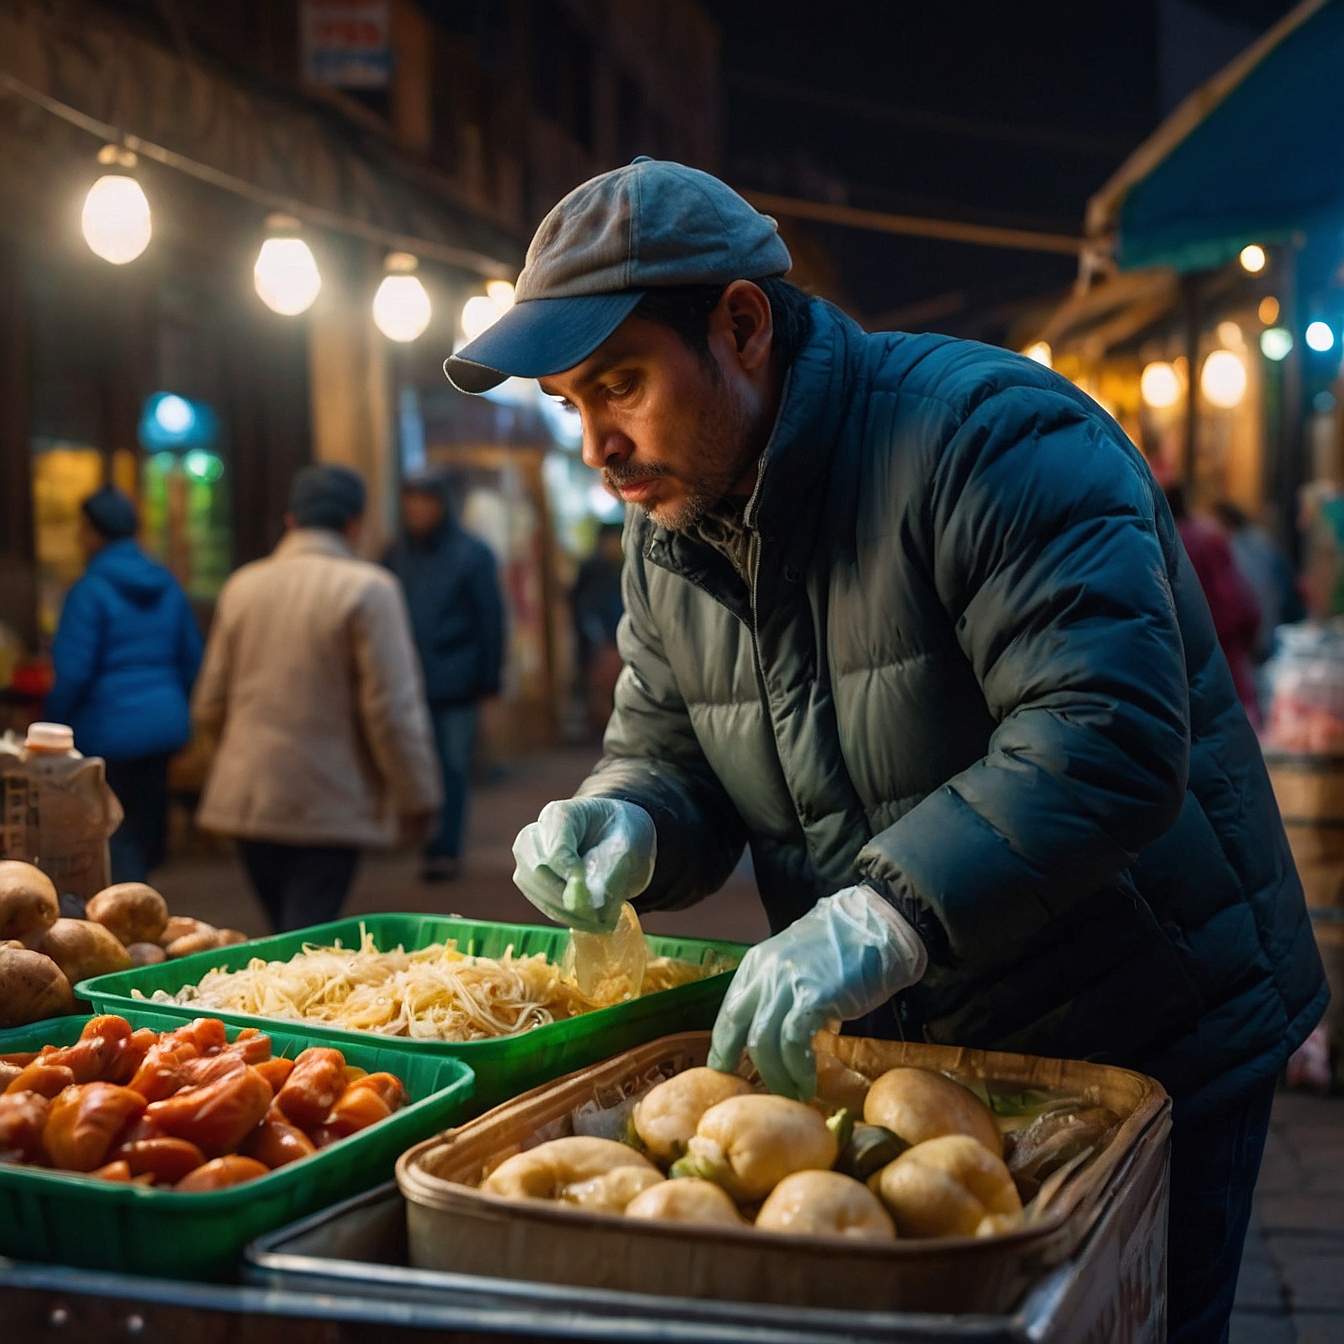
[(1292, 1285)]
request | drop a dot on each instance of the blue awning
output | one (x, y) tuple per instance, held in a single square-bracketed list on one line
[(1255, 156)]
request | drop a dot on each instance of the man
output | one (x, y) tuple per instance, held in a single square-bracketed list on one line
[(595, 601), (457, 616), (126, 654), (910, 616), (311, 690)]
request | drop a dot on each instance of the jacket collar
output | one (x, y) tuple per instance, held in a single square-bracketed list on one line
[(313, 541), (784, 507)]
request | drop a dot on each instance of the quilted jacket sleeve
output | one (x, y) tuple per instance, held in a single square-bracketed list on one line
[(76, 650), (1043, 538), (651, 757)]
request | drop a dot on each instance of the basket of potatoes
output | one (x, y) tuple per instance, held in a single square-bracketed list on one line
[(919, 1178), (44, 952)]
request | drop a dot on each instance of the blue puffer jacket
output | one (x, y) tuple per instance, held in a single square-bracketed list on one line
[(452, 591), (973, 667), (126, 654)]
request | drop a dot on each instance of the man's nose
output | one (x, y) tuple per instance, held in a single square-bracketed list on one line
[(605, 447)]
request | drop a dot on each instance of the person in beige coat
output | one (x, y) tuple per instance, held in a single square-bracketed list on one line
[(311, 690)]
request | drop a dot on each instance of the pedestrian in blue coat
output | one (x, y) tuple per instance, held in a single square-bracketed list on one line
[(457, 615), (126, 655)]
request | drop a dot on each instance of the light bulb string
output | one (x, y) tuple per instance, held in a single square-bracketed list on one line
[(461, 257)]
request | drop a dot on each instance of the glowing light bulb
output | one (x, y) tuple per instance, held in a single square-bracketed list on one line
[(1160, 385), (1040, 351), (1320, 336), (479, 313), (174, 414), (1268, 311), (500, 292), (401, 307), (1253, 258), (286, 276), (1276, 343), (1222, 380), (116, 219)]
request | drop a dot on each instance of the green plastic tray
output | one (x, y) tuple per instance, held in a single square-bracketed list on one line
[(504, 1067), (73, 1220)]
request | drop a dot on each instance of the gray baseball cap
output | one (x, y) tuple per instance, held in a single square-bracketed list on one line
[(592, 259)]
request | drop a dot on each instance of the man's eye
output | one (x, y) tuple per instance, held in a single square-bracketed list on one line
[(621, 389)]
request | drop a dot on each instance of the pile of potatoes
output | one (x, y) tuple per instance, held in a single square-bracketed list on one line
[(44, 955), (927, 1159)]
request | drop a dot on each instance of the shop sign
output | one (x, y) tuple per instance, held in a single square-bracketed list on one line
[(347, 44)]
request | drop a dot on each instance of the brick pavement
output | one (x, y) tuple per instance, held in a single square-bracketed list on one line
[(1292, 1284)]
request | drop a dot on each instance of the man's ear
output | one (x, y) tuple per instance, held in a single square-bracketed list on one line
[(744, 312)]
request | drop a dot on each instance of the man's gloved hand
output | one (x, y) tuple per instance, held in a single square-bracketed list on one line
[(583, 858), (848, 955)]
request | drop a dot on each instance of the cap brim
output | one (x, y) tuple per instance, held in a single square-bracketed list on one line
[(539, 337)]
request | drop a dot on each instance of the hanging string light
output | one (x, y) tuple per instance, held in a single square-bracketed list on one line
[(482, 311), (116, 219), (401, 307), (286, 274)]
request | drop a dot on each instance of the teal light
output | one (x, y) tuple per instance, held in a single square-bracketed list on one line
[(202, 465), (1275, 343), (1320, 336)]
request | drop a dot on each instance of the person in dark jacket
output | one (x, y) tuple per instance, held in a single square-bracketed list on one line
[(911, 617), (457, 615), (126, 654)]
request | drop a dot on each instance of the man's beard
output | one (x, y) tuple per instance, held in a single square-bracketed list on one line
[(721, 451)]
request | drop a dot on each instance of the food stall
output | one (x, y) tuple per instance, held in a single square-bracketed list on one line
[(205, 1143)]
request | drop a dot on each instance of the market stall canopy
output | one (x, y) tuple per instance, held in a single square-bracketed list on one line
[(256, 139), (1252, 156)]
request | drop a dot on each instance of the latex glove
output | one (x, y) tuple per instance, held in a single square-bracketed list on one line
[(848, 955), (583, 858)]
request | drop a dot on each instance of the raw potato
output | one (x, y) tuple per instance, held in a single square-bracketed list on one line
[(667, 1115), (206, 940), (32, 987), (686, 1201), (28, 901), (179, 926), (613, 1190), (83, 949), (946, 1187), (839, 1085), (919, 1105), (134, 912), (825, 1204), (544, 1171), (749, 1144), (231, 937), (145, 954)]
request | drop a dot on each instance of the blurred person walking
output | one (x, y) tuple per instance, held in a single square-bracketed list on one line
[(311, 690), (126, 654), (1232, 603), (451, 583), (596, 603)]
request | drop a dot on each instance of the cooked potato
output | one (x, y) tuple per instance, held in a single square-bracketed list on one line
[(919, 1105), (134, 912), (83, 949), (180, 926), (207, 939), (145, 954), (231, 937), (28, 901), (825, 1204), (544, 1171), (946, 1187), (32, 987), (667, 1115), (749, 1144), (686, 1201), (839, 1085), (613, 1190)]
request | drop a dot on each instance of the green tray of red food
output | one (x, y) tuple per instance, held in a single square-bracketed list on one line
[(504, 1066), (65, 1218)]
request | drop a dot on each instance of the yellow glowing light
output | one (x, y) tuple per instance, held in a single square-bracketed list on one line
[(1040, 351), (401, 307), (500, 293), (1268, 312), (479, 313), (1223, 379), (286, 276), (1159, 385), (1253, 258), (116, 220)]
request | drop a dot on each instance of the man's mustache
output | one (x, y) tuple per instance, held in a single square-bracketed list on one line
[(627, 472)]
